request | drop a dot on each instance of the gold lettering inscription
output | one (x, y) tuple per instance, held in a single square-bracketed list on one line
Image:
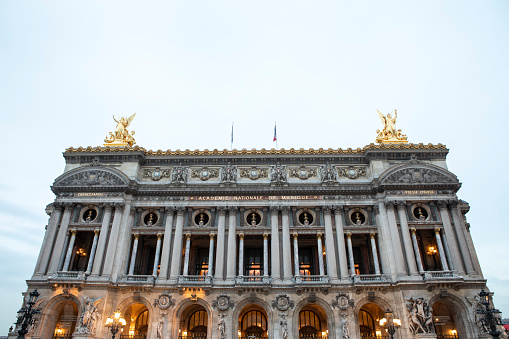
[(254, 197)]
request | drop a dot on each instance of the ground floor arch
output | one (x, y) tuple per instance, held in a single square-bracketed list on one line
[(312, 322), (253, 322), (194, 322), (137, 321), (59, 319), (369, 316)]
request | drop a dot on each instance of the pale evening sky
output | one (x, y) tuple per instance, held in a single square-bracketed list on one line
[(191, 68)]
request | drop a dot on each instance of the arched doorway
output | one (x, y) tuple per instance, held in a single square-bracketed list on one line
[(193, 323), (312, 322), (62, 322), (369, 322), (253, 323), (137, 320), (443, 319)]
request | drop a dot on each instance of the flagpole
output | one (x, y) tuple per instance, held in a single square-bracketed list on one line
[(231, 142), (275, 135)]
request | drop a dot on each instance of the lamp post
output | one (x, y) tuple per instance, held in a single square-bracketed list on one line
[(490, 316), (26, 313), (115, 324), (390, 323)]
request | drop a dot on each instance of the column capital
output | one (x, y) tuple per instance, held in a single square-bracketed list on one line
[(212, 235), (401, 204), (442, 204), (413, 230), (372, 235), (159, 236), (295, 235), (73, 232), (389, 204), (265, 235), (108, 206), (169, 209), (319, 235), (69, 206), (274, 208), (452, 203), (222, 210), (376, 208), (285, 209), (132, 212), (438, 230), (96, 232), (232, 209), (349, 235), (241, 236), (338, 208), (181, 210), (188, 235), (136, 235), (327, 209)]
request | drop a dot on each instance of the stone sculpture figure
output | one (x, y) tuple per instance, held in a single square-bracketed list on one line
[(229, 173), (179, 175), (389, 132), (89, 315), (221, 326), (345, 330), (284, 327), (121, 136), (160, 324), (328, 173), (278, 174), (420, 316)]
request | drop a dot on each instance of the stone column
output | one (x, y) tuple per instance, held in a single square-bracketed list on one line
[(124, 241), (340, 237), (69, 251), (103, 236), (287, 260), (59, 243), (274, 243), (350, 253), (176, 256), (375, 254), (49, 238), (416, 250), (451, 239), (231, 260), (113, 241), (133, 254), (330, 251), (158, 253), (407, 242), (460, 233), (385, 244), (296, 254), (165, 255), (265, 255), (241, 254), (441, 251), (186, 256), (219, 269), (396, 242), (211, 255), (320, 254), (92, 252)]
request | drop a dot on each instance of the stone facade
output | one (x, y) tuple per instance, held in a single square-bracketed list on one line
[(261, 243)]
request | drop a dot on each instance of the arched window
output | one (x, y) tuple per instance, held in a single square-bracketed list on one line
[(309, 324), (197, 325), (253, 323), (142, 323), (366, 323)]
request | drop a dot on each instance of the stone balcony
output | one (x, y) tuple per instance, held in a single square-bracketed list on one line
[(311, 279), (256, 280), (370, 278)]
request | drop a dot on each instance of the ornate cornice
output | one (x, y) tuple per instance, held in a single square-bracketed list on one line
[(262, 151)]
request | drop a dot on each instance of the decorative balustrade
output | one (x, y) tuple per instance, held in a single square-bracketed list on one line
[(140, 278), (370, 278), (195, 279), (441, 275), (311, 279), (69, 275), (253, 280)]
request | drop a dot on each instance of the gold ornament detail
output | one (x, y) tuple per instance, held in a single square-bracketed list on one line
[(389, 134), (121, 137)]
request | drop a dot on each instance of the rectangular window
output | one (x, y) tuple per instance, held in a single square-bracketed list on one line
[(253, 262), (306, 262), (202, 261)]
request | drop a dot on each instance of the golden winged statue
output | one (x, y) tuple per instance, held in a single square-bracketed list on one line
[(121, 137), (389, 134)]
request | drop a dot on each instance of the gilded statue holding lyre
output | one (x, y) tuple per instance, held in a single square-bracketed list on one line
[(122, 136), (389, 134)]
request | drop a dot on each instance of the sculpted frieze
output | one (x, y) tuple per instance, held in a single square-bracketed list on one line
[(205, 173), (254, 173), (417, 175), (156, 173), (352, 172), (92, 177), (302, 172)]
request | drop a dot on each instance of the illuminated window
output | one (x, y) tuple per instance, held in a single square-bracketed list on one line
[(202, 261), (309, 324), (197, 325), (306, 261), (253, 262), (253, 323), (142, 323)]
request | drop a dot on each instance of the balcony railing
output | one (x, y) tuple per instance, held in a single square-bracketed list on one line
[(195, 279), (133, 336), (140, 278), (72, 275), (311, 279), (253, 280), (193, 336), (441, 275), (63, 336), (370, 278), (446, 336)]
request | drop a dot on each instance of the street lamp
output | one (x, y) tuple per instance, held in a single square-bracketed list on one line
[(390, 323), (490, 316), (26, 313), (115, 324)]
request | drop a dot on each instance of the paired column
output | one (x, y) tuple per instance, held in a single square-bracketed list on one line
[(396, 242), (133, 254), (385, 243), (113, 241), (165, 256), (219, 268), (459, 228), (330, 251), (186, 256), (320, 254), (451, 239), (49, 238), (340, 237), (124, 241), (265, 255), (58, 248), (375, 254), (241, 254), (211, 254), (296, 254), (103, 236), (176, 256), (274, 242), (441, 251), (350, 253), (69, 251), (407, 242), (417, 251), (231, 260), (92, 252), (158, 252), (287, 260)]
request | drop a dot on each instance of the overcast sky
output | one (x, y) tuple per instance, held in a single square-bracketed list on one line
[(189, 69)]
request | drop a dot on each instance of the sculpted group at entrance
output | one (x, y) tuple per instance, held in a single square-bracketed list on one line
[(238, 244)]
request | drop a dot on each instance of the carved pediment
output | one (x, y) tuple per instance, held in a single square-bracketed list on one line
[(418, 174), (92, 177)]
